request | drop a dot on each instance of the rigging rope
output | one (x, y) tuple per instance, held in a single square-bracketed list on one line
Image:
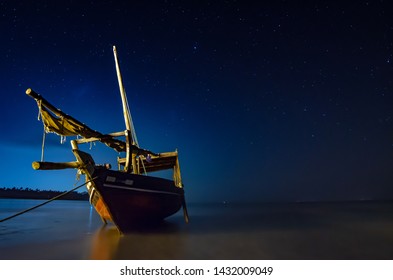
[(143, 165), (50, 200), (133, 132), (43, 145)]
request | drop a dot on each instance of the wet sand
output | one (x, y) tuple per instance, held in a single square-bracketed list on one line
[(294, 231)]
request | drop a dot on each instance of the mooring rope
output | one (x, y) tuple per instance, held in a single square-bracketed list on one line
[(50, 200)]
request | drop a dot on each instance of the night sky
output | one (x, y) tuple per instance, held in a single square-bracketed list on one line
[(284, 101)]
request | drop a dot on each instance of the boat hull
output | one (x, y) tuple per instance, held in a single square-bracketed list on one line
[(131, 201)]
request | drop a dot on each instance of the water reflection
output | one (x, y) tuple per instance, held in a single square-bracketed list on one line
[(161, 241), (70, 230), (282, 231), (105, 243), (90, 223)]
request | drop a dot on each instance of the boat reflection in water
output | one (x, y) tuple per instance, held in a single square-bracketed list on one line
[(161, 241), (105, 243)]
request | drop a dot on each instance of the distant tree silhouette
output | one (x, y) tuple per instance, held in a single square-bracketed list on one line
[(29, 193)]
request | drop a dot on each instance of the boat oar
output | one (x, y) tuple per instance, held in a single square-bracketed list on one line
[(50, 200)]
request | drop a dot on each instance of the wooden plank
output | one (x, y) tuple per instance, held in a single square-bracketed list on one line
[(45, 165)]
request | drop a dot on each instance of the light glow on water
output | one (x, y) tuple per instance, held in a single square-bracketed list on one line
[(91, 216)]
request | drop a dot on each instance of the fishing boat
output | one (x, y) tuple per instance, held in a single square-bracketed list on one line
[(129, 196)]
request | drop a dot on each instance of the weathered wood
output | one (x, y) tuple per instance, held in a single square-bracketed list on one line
[(44, 165), (52, 108), (83, 130), (126, 110), (163, 161)]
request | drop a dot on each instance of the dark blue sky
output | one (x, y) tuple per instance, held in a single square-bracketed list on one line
[(282, 101)]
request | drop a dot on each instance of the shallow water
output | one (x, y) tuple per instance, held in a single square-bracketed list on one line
[(72, 230)]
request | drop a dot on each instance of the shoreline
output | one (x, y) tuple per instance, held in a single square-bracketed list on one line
[(26, 193)]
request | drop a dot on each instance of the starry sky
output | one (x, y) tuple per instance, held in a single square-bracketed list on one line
[(277, 101)]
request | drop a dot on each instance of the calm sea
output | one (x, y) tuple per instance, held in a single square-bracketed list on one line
[(72, 230)]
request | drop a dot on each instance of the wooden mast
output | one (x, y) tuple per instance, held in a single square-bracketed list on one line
[(130, 134)]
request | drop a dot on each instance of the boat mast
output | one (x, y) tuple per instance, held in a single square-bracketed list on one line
[(126, 109), (131, 140)]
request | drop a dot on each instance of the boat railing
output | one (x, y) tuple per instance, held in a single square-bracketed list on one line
[(145, 161)]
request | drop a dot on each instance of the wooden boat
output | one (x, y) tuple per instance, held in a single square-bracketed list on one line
[(127, 197)]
